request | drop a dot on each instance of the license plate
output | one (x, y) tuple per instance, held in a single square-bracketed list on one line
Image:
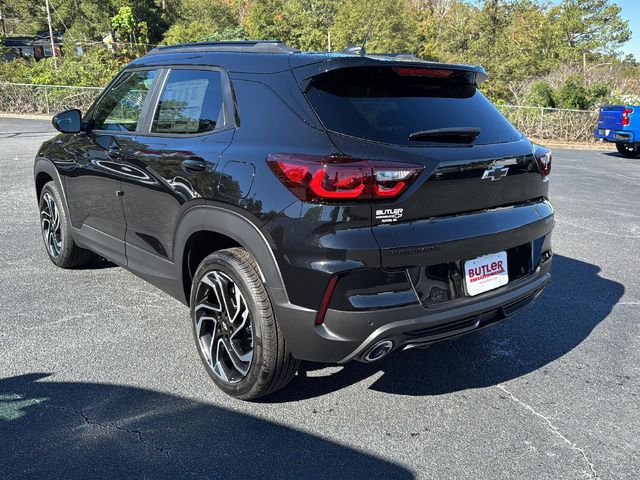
[(486, 273)]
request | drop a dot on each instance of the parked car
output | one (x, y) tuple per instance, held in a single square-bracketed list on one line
[(617, 123), (306, 206)]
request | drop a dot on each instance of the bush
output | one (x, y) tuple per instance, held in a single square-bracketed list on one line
[(201, 32), (96, 67), (573, 94), (541, 95)]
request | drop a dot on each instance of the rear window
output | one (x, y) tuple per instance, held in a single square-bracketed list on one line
[(383, 105)]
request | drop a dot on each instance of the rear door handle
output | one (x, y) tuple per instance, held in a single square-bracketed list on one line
[(193, 165)]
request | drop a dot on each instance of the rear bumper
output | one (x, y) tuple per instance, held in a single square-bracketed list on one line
[(432, 327), (617, 136), (350, 328), (346, 336)]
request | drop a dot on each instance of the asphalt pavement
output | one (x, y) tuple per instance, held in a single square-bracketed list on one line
[(99, 377)]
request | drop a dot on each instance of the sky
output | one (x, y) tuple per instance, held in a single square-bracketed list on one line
[(631, 12)]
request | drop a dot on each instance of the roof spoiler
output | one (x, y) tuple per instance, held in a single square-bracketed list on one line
[(305, 67)]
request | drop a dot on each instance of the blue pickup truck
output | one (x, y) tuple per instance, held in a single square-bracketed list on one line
[(620, 124)]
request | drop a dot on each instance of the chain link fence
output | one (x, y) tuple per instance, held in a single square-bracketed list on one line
[(542, 123), (563, 125), (32, 99)]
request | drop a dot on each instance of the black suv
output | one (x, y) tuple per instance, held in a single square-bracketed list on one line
[(305, 206)]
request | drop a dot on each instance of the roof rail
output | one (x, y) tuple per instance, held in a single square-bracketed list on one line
[(249, 46)]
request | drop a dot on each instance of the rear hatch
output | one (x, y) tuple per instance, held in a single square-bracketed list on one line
[(472, 158), (610, 117)]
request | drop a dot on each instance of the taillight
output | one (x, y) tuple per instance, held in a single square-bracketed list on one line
[(314, 178), (543, 157), (423, 72), (625, 116)]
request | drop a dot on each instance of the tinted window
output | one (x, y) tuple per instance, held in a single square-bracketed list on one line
[(121, 106), (380, 104), (190, 103)]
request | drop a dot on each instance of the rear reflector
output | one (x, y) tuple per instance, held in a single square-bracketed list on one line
[(314, 178), (326, 299), (423, 72)]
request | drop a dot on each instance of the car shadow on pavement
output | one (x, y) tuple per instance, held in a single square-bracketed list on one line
[(67, 430), (619, 155), (575, 302), (96, 263)]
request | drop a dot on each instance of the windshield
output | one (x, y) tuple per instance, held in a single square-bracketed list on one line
[(377, 103)]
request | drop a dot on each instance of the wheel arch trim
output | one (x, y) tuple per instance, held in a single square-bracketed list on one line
[(44, 165), (212, 218)]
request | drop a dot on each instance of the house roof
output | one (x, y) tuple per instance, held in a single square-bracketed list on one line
[(31, 41)]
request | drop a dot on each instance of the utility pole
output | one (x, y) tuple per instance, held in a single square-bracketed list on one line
[(53, 44), (2, 29)]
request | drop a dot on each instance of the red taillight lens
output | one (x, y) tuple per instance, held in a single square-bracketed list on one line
[(315, 178), (544, 162), (625, 116), (422, 72)]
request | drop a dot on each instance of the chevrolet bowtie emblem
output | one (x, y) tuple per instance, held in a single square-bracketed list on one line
[(495, 173)]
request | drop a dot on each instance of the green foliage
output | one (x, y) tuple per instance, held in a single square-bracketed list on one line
[(291, 21), (590, 26), (572, 93), (309, 22), (514, 40), (201, 32), (389, 24), (127, 26), (541, 94), (97, 67), (220, 14)]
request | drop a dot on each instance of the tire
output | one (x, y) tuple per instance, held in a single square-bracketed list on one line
[(234, 328), (629, 150), (56, 230)]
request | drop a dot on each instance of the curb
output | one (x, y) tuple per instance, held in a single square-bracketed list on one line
[(26, 117)]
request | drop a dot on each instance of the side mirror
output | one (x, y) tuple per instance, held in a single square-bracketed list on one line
[(69, 121)]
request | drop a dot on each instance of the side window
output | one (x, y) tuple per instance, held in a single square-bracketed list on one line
[(190, 103), (121, 106)]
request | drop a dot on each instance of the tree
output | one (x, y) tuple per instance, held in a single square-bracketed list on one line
[(541, 95), (444, 29), (388, 25), (125, 23), (219, 14), (309, 22), (590, 26), (303, 24), (23, 17), (201, 32), (267, 20), (521, 42), (203, 20)]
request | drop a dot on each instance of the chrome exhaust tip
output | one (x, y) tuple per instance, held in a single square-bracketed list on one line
[(378, 350)]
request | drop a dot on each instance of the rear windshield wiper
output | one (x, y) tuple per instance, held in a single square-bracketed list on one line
[(447, 135)]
